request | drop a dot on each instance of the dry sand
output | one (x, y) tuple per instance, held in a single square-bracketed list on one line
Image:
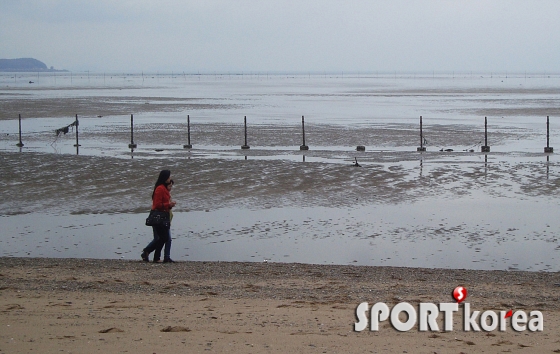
[(112, 306)]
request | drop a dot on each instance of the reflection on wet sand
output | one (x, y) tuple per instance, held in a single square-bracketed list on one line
[(547, 166)]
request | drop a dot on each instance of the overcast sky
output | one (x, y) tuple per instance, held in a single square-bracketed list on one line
[(279, 35)]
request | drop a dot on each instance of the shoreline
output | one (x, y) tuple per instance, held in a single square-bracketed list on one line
[(87, 305)]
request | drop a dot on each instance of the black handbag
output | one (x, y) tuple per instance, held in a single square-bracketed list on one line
[(158, 218)]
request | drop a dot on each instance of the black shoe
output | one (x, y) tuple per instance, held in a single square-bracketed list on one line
[(145, 257), (168, 260)]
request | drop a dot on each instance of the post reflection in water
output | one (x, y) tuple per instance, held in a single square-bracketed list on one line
[(547, 165), (485, 165)]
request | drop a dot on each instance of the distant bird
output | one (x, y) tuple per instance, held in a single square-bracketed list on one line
[(356, 164)]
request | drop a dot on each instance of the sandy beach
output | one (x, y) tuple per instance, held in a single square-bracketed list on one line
[(91, 306)]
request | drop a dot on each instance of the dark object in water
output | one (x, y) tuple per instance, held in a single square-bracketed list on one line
[(356, 164), (447, 150)]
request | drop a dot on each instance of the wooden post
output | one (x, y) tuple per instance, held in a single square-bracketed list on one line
[(77, 142), (132, 145), (303, 146), (485, 148), (245, 147), (421, 148), (548, 148), (20, 144), (188, 146)]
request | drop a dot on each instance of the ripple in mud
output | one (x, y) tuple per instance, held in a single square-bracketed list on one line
[(83, 184)]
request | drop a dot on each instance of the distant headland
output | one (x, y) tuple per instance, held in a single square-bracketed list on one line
[(25, 65)]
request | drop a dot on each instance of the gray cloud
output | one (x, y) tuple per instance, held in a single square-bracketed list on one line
[(250, 35)]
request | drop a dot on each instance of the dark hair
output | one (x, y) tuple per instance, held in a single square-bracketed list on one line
[(163, 177)]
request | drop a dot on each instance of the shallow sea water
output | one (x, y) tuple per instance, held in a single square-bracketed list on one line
[(453, 234), (274, 202)]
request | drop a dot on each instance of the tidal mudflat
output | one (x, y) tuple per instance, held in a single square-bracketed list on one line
[(274, 202)]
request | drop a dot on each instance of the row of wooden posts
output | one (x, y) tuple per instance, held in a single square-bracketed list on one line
[(486, 147), (303, 146)]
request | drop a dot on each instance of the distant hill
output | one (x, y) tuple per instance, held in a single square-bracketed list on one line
[(24, 64)]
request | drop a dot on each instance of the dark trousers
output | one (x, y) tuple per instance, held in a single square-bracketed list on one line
[(161, 235), (167, 251)]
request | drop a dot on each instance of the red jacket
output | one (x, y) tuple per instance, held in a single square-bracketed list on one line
[(161, 199)]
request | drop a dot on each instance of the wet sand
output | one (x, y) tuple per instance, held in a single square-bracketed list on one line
[(481, 209), (85, 305), (83, 184)]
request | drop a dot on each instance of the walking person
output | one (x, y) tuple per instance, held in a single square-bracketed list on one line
[(161, 201), (167, 250)]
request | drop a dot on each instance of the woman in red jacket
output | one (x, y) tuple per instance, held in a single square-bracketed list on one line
[(167, 252), (161, 201)]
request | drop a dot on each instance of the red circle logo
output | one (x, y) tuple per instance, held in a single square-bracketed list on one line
[(460, 294)]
